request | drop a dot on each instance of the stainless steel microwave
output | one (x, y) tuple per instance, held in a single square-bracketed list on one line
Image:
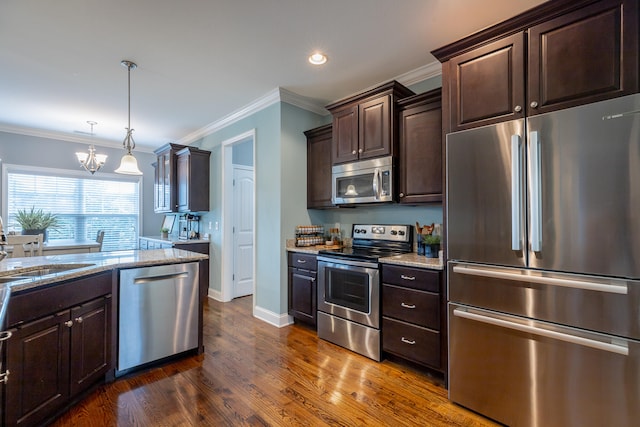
[(366, 181)]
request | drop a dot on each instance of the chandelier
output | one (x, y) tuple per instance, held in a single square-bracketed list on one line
[(91, 162), (129, 164)]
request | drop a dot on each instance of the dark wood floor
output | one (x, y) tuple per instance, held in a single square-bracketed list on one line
[(254, 374)]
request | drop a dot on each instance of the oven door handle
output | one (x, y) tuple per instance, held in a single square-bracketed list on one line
[(573, 339), (344, 263)]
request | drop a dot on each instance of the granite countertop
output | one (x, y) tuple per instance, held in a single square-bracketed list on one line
[(174, 239), (409, 260), (91, 263)]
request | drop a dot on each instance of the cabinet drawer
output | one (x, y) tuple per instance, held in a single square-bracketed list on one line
[(411, 342), (32, 304), (419, 307), (302, 261), (416, 278)]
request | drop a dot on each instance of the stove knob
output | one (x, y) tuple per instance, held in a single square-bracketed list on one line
[(401, 233), (394, 232)]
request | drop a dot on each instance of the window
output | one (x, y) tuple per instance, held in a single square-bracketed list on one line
[(83, 204)]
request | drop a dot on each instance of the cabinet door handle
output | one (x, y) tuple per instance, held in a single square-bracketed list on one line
[(401, 194), (79, 319), (402, 276), (403, 305), (360, 151), (534, 104), (68, 323), (517, 109), (4, 377), (354, 152), (5, 335), (406, 341)]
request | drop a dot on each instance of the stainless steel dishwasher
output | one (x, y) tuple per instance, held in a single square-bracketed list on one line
[(158, 313)]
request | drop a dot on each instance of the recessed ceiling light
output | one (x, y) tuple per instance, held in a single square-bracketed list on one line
[(318, 58)]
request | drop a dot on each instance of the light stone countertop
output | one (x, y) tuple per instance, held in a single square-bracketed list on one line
[(174, 240), (409, 260), (96, 262)]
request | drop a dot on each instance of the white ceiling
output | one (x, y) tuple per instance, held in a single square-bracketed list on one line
[(199, 61)]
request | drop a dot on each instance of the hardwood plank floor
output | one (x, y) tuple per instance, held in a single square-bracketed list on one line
[(253, 374)]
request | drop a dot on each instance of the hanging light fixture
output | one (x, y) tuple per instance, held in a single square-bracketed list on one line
[(91, 162), (129, 164)]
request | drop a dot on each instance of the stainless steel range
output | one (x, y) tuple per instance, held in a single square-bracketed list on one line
[(349, 286)]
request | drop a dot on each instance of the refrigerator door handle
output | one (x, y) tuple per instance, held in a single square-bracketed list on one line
[(544, 280), (516, 225), (536, 216), (573, 339)]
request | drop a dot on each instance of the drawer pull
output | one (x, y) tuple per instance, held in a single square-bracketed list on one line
[(406, 341), (4, 377), (5, 335), (402, 276), (403, 305), (302, 261)]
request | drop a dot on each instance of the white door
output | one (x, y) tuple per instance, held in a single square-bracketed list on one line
[(242, 231)]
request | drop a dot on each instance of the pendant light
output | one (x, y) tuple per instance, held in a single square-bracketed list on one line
[(129, 164), (91, 162)]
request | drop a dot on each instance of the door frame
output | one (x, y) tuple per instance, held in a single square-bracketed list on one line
[(227, 212)]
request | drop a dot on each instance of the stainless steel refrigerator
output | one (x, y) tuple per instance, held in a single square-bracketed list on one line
[(543, 242)]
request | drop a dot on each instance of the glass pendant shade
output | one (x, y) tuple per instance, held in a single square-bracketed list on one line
[(128, 165)]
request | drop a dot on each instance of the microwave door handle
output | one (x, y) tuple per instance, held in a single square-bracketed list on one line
[(376, 185)]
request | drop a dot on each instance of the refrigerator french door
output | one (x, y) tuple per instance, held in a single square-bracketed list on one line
[(543, 227)]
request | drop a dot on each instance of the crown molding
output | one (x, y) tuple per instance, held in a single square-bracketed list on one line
[(272, 97), (62, 136), (420, 74), (283, 95)]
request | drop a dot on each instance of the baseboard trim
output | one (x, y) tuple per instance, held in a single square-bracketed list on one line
[(275, 319)]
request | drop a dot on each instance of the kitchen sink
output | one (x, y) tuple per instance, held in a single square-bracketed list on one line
[(41, 270)]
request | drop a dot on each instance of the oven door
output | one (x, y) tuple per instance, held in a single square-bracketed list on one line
[(350, 290)]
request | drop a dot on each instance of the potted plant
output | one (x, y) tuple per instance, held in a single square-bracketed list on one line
[(36, 221), (165, 232), (431, 244)]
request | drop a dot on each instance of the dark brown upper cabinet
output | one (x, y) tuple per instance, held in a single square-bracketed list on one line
[(420, 148), (164, 189), (319, 167), (557, 55), (487, 84), (181, 182), (365, 125), (192, 179)]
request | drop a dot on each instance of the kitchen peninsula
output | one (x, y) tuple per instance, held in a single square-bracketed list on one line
[(63, 316)]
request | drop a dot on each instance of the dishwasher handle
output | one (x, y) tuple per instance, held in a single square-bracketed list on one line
[(150, 279)]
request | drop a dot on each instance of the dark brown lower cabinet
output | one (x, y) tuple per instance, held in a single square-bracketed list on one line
[(302, 287), (56, 352), (413, 322)]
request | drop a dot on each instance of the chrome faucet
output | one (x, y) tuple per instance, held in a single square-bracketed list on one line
[(3, 241)]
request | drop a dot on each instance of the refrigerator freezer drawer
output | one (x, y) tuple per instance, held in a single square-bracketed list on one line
[(530, 373), (595, 303)]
